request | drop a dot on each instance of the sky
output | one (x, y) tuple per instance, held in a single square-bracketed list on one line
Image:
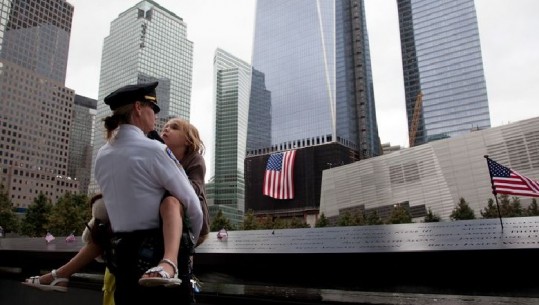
[(507, 29)]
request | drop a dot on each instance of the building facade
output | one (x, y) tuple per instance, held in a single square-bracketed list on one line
[(80, 141), (312, 83), (35, 106), (146, 43), (315, 59), (441, 59), (434, 175), (232, 77)]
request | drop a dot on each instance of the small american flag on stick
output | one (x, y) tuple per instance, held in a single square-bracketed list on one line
[(507, 181)]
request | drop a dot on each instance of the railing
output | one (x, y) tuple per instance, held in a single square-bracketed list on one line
[(388, 264)]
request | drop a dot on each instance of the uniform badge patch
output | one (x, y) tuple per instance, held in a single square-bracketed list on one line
[(171, 155)]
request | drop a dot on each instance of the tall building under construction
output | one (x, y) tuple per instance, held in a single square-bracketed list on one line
[(312, 61)]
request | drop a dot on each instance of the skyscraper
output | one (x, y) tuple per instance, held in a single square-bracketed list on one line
[(232, 78), (35, 106), (80, 141), (441, 58), (146, 43), (313, 59)]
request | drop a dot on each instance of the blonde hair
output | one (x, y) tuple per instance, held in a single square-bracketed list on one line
[(194, 143)]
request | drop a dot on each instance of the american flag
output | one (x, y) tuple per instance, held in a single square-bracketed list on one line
[(507, 181), (279, 175), (49, 237)]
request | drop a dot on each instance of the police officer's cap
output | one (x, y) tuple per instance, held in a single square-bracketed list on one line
[(131, 93)]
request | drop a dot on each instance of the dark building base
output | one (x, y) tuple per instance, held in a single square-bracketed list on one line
[(309, 164)]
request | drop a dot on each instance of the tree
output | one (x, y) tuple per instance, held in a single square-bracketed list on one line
[(359, 218), (279, 223), (462, 211), (8, 218), (345, 220), (533, 209), (220, 222), (490, 211), (249, 221), (510, 207), (322, 221), (298, 223), (374, 219), (266, 223), (36, 219), (516, 208), (431, 217), (69, 215), (399, 214)]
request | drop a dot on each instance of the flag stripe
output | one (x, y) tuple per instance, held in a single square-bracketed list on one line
[(507, 181), (279, 175)]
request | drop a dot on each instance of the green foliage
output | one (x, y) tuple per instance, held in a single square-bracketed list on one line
[(374, 219), (510, 207), (322, 221), (359, 218), (69, 215), (490, 211), (266, 223), (345, 220), (533, 209), (516, 207), (400, 214), (462, 211), (249, 221), (298, 223), (349, 219), (279, 223), (8, 218), (505, 204), (220, 222), (431, 217), (36, 221)]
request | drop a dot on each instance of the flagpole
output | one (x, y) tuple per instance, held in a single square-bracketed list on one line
[(498, 207), (495, 195)]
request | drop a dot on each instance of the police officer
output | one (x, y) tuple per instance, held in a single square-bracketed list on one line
[(133, 172)]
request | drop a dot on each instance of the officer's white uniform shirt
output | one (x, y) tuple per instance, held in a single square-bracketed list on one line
[(133, 173)]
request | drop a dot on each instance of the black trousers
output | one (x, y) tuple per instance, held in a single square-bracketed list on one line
[(135, 252)]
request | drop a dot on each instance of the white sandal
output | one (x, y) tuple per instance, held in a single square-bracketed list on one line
[(164, 278), (33, 281)]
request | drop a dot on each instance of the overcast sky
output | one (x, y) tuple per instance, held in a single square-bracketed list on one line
[(508, 33)]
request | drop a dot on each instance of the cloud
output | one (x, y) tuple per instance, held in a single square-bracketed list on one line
[(508, 40)]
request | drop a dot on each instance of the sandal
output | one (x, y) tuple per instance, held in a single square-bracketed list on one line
[(33, 281), (164, 279)]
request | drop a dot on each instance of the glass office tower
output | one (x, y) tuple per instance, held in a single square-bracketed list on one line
[(146, 43), (232, 78), (80, 140), (441, 58), (315, 63), (35, 106), (312, 84)]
